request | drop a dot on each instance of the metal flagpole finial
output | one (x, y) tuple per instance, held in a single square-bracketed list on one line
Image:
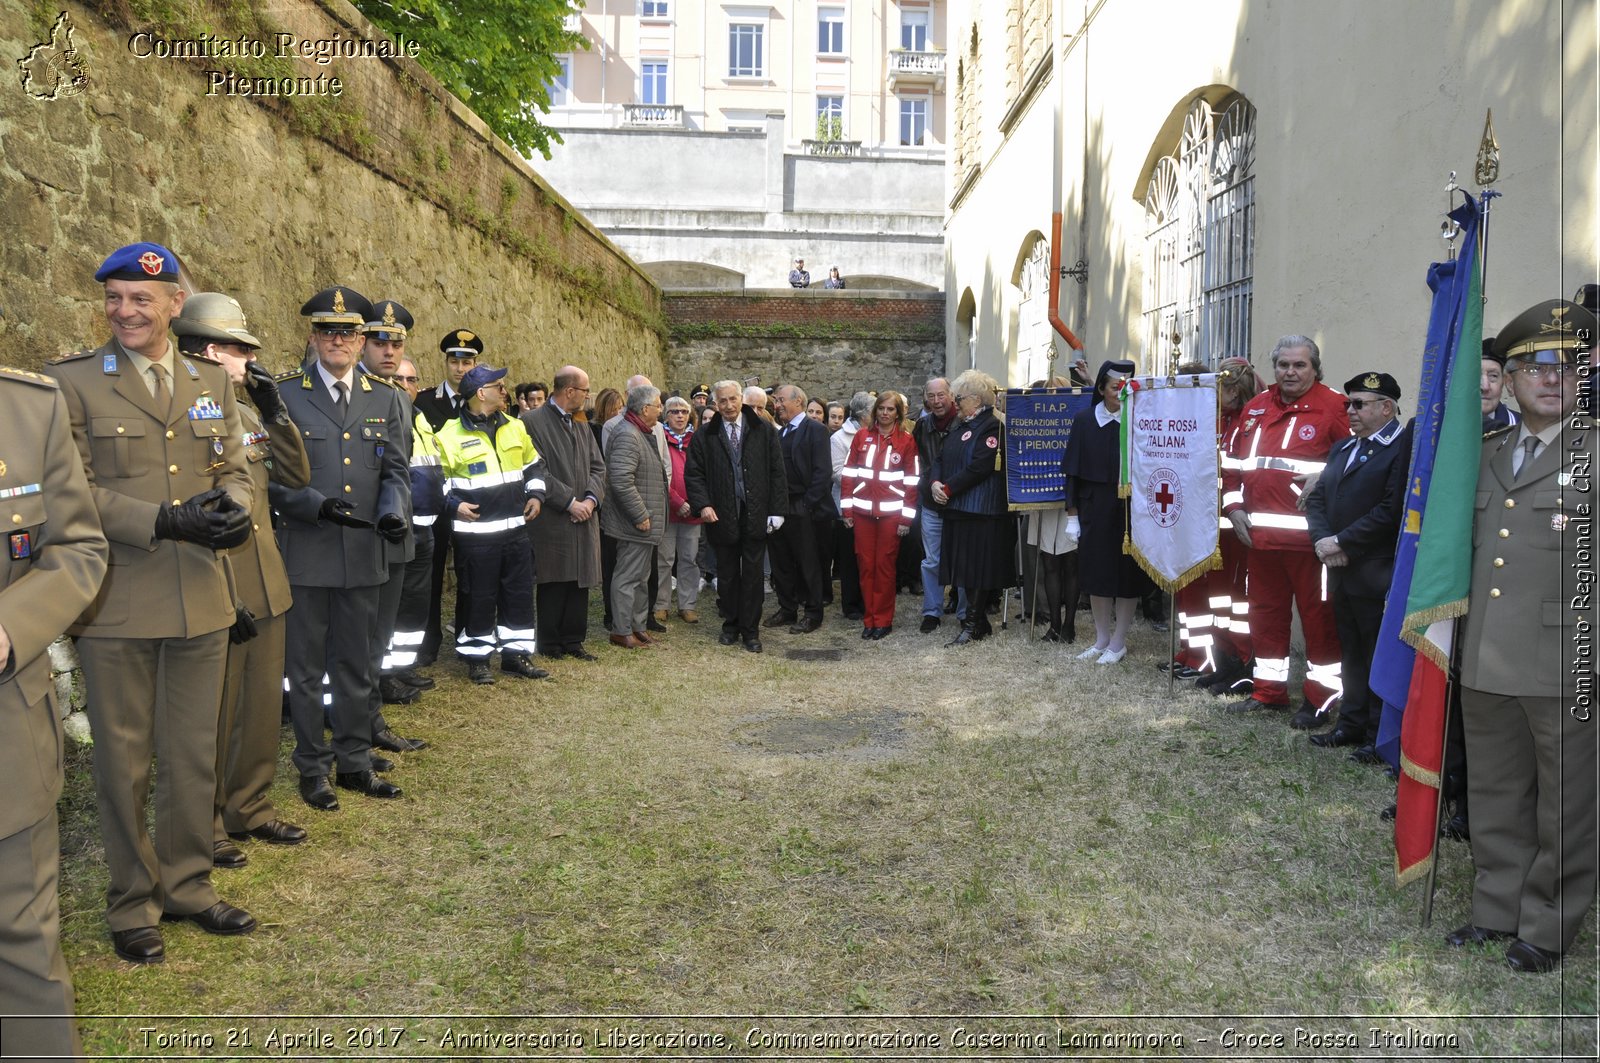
[(1449, 229), (1488, 168)]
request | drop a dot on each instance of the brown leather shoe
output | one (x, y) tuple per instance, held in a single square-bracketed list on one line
[(660, 616), (688, 616), (627, 642), (646, 639)]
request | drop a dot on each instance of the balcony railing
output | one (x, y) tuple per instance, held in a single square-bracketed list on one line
[(836, 149), (653, 115), (916, 68)]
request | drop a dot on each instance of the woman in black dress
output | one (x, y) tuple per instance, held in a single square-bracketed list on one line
[(979, 538), (1112, 579)]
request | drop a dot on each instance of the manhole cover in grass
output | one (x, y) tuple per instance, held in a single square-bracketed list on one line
[(813, 655), (865, 734)]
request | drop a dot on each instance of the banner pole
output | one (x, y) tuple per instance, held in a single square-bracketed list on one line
[(1172, 648), (1444, 752)]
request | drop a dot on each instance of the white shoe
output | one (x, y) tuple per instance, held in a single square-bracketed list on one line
[(1112, 656), (1091, 652)]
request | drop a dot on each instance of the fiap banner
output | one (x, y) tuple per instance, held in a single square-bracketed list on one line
[(1038, 423)]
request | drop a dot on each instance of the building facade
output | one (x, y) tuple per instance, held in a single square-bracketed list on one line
[(1228, 171), (717, 142)]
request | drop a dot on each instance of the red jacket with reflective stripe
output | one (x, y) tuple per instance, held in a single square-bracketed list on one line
[(880, 476), (1271, 444)]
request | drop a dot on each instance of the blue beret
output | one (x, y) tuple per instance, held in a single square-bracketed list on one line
[(477, 377), (139, 262)]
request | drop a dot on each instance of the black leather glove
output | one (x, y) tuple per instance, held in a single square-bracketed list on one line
[(264, 393), (392, 526), (342, 513), (211, 519), (244, 625)]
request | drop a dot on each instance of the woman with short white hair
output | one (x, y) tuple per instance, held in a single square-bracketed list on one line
[(976, 550)]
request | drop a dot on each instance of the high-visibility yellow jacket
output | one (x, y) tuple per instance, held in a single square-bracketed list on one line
[(490, 464)]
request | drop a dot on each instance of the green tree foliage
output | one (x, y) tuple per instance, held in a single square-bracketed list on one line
[(497, 58)]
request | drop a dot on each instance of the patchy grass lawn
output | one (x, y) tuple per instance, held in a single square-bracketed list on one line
[(894, 840)]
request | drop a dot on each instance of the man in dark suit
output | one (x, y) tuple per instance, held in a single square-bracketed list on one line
[(733, 476), (1354, 516), (1530, 741), (332, 536), (154, 428), (797, 572), (461, 349)]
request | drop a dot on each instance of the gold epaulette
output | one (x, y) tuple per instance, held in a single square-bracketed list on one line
[(290, 375), (1498, 432), (376, 379), (73, 357), (26, 376)]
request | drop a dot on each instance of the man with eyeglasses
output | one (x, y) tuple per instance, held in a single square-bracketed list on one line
[(494, 485), (566, 537), (1354, 512), (333, 533), (461, 349), (1531, 745), (399, 683), (1283, 439)]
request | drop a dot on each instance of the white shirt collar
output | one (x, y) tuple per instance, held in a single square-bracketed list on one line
[(328, 379), (1104, 416)]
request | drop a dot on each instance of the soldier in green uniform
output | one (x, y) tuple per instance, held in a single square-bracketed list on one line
[(54, 562), (1531, 745), (160, 438), (213, 325)]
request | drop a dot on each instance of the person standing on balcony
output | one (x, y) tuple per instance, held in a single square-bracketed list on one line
[(834, 281), (799, 277)]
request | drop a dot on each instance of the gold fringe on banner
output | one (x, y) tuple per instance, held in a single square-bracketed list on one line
[(1404, 876), (1425, 619), (1186, 577), (1416, 771)]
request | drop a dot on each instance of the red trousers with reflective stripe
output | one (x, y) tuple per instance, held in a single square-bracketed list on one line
[(1227, 627), (1278, 577), (877, 550)]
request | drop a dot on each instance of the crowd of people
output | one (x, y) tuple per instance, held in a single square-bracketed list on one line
[(226, 545)]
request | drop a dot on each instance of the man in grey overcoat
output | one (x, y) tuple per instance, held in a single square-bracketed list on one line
[(636, 515), (566, 535)]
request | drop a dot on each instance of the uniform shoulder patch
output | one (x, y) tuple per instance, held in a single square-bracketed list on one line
[(25, 376), (73, 357), (376, 379), (290, 375)]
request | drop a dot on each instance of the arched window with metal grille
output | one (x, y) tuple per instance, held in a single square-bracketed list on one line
[(1200, 240)]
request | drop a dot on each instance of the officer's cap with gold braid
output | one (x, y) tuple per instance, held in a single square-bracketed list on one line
[(1377, 383), (461, 343), (390, 321), (139, 262), (1548, 333), (337, 307)]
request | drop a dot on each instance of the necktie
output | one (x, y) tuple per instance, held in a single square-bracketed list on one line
[(733, 439), (343, 389), (163, 393), (1529, 445)]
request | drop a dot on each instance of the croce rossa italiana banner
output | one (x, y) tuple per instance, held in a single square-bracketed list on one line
[(1169, 431)]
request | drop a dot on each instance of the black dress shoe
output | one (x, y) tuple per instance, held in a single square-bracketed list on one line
[(654, 625), (1339, 736), (413, 678), (273, 831), (1388, 814), (753, 645), (806, 626), (929, 623), (866, 632), (520, 664), (1456, 829), (1462, 936), (965, 635), (382, 763), (367, 783), (1306, 719), (727, 638), (779, 619), (478, 672), (880, 633), (315, 791), (424, 659), (395, 692), (1530, 959), (220, 918), (1366, 754), (1184, 672), (390, 742), (142, 944), (225, 854), (581, 654)]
